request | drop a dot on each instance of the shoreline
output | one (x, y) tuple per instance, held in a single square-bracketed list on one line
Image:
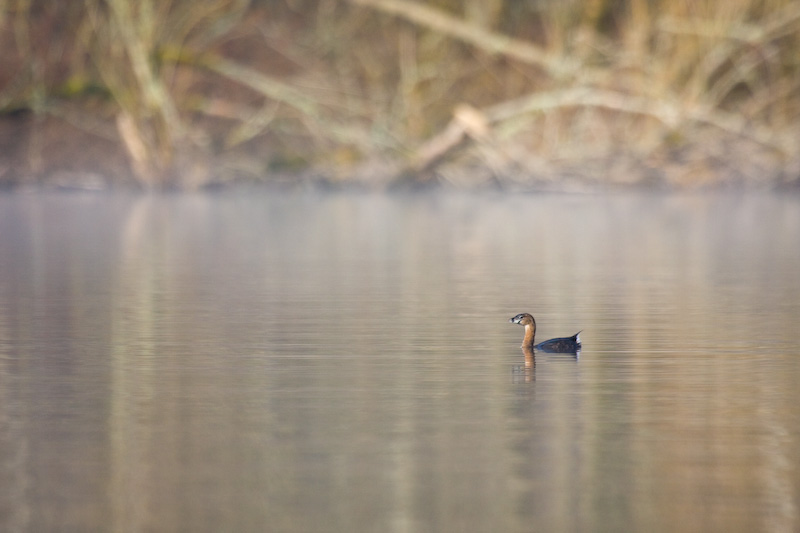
[(51, 153)]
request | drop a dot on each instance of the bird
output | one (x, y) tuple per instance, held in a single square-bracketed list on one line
[(558, 345)]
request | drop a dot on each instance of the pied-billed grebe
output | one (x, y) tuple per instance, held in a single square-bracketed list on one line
[(557, 345)]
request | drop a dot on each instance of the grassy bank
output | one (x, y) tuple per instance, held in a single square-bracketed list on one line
[(183, 94)]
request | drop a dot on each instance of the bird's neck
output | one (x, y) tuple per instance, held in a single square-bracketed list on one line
[(530, 331)]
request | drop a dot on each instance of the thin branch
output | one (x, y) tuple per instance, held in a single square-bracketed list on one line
[(492, 43), (668, 113), (459, 131), (290, 95), (584, 97), (266, 85), (775, 26)]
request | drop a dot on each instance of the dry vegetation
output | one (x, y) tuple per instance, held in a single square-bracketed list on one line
[(560, 94)]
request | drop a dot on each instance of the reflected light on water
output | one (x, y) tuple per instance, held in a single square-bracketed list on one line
[(345, 363)]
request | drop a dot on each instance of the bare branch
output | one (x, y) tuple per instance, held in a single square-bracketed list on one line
[(477, 36), (459, 130), (266, 85)]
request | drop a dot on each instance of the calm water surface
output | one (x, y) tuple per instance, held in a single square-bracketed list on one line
[(262, 362)]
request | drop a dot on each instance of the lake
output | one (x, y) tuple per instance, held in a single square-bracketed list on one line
[(261, 361)]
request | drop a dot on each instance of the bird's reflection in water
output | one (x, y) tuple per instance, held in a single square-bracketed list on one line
[(525, 373)]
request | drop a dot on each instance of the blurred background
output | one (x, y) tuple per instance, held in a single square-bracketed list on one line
[(276, 355), (184, 94)]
